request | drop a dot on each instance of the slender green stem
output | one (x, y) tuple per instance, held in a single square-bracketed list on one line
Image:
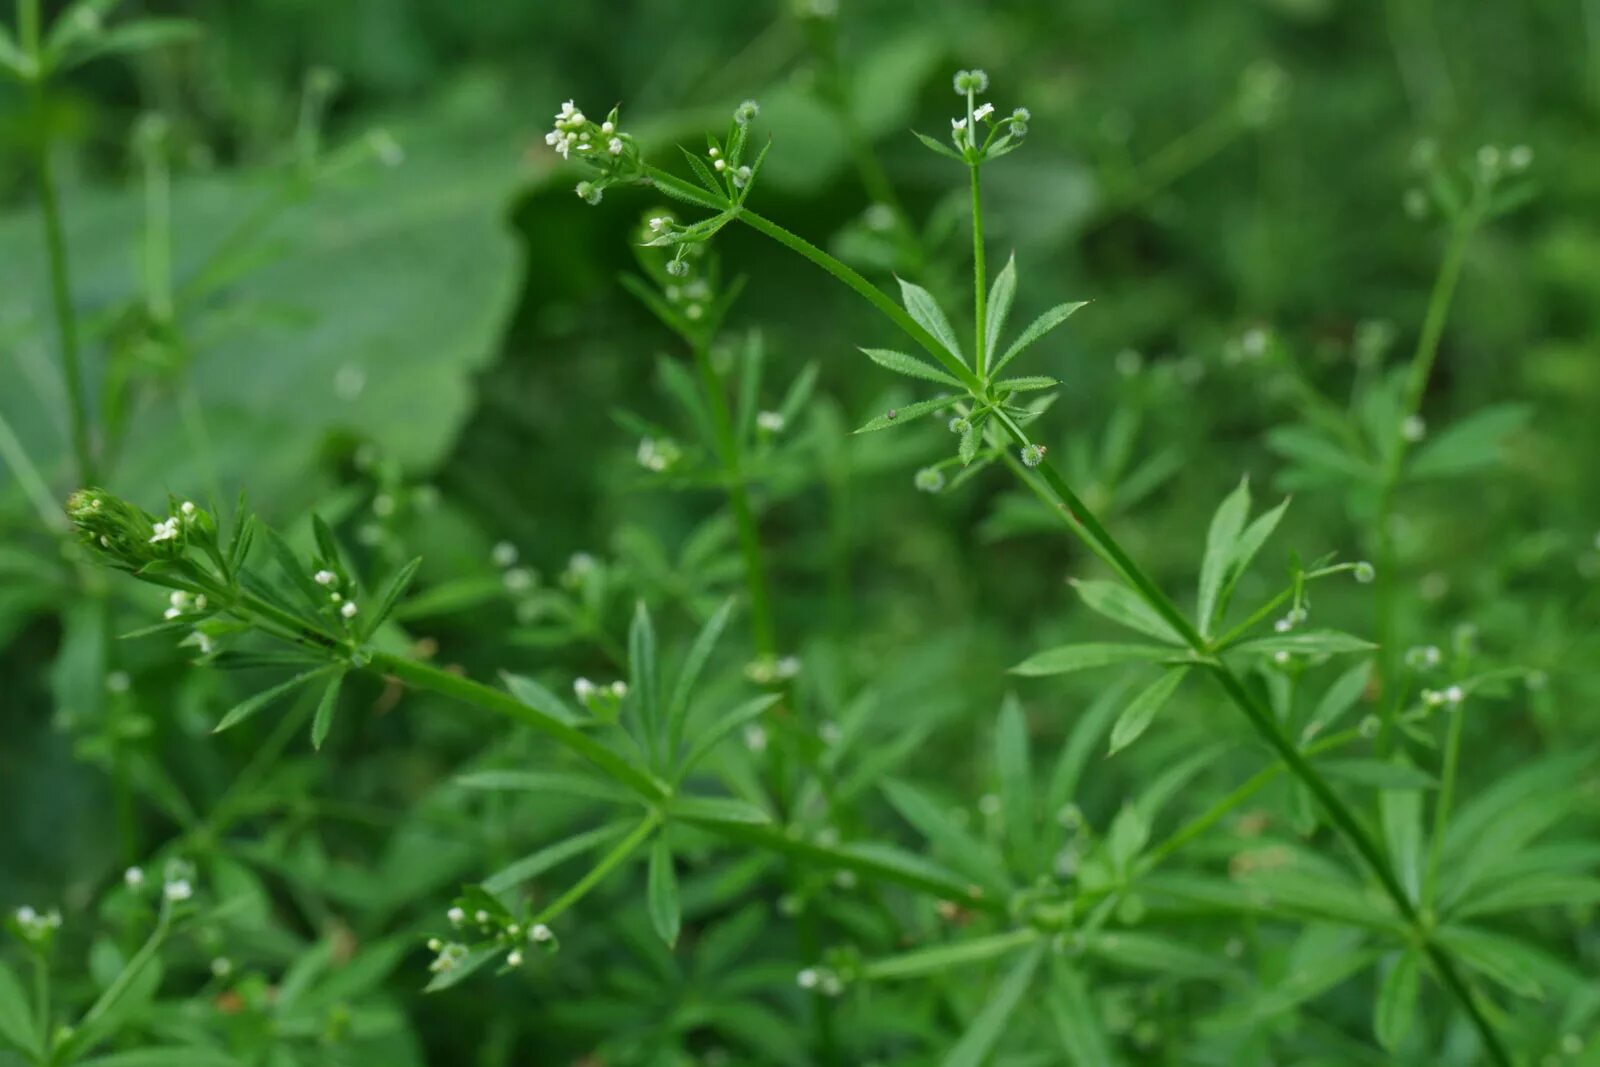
[(1261, 718), (141, 959), (16, 458), (762, 625), (41, 999), (980, 281), (608, 863), (60, 286), (1441, 810), (1421, 369)]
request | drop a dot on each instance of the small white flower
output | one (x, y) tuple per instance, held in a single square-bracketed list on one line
[(719, 165), (504, 554), (1454, 695), (807, 979), (659, 223), (619, 689), (742, 176), (983, 112), (178, 890), (481, 917), (187, 509), (325, 577), (958, 124), (26, 916), (715, 152), (694, 311), (518, 580), (614, 146), (514, 958), (349, 609), (608, 126), (456, 916), (755, 738), (1413, 429), (583, 689), (221, 967), (1283, 626), (540, 933), (1281, 658), (133, 877), (166, 530), (771, 421)]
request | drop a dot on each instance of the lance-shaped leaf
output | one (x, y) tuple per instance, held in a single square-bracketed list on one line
[(248, 707), (1069, 658), (910, 366), (1036, 329), (1001, 293), (661, 892), (323, 720), (1122, 606), (909, 413), (927, 313), (1141, 711), (990, 1025)]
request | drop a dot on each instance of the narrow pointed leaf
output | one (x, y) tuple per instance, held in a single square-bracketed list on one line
[(925, 309), (724, 727), (910, 366), (642, 675), (391, 594), (910, 413), (1308, 642), (1031, 384), (1001, 293), (248, 707), (1069, 658), (986, 1030), (1397, 1001), (662, 893), (938, 146), (1138, 715), (1036, 329), (1227, 523), (1013, 767), (16, 1016), (323, 722), (1123, 606), (693, 664)]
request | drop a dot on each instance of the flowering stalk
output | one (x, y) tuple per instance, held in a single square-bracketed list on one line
[(988, 397)]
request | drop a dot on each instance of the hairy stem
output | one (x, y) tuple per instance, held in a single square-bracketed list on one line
[(980, 281)]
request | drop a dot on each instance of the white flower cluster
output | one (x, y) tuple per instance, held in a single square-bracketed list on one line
[(771, 670), (331, 581), (35, 926), (822, 980), (771, 421), (1296, 616), (181, 603), (601, 699), (516, 579), (602, 144), (505, 933), (173, 527), (177, 881), (1424, 657), (1001, 135), (658, 454), (1435, 698)]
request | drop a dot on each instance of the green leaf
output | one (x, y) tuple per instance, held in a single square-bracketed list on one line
[(289, 562), (1141, 711), (937, 146), (1306, 642), (1249, 543), (705, 642), (1528, 892), (12, 57), (1377, 774), (1396, 1007), (702, 172), (902, 416), (564, 783), (1077, 1023), (910, 366), (1222, 538), (536, 863), (662, 893), (391, 595), (1155, 954), (1001, 293), (140, 36), (1505, 961), (720, 730), (1345, 692), (16, 1016), (990, 1025), (1472, 444), (1323, 462), (1123, 606), (642, 676), (327, 543), (926, 311), (323, 721), (952, 843), (968, 448), (717, 811), (1027, 384), (249, 706), (1069, 658), (1015, 771), (1036, 329), (540, 699), (474, 961)]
